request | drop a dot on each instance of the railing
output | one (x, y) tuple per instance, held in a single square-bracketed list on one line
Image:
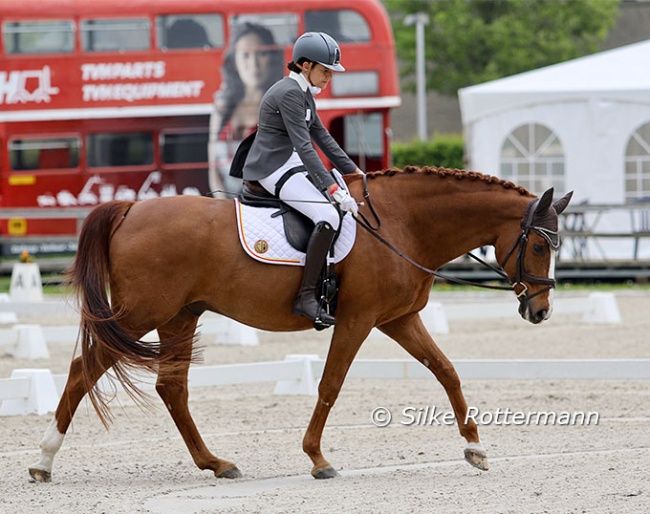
[(78, 213), (42, 244), (583, 226)]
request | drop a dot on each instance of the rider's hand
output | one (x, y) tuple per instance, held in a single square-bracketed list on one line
[(345, 201)]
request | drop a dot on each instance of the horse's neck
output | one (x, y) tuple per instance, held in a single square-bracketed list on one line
[(442, 219)]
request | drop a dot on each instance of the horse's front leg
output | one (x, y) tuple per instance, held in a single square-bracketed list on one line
[(343, 348), (173, 390), (411, 334)]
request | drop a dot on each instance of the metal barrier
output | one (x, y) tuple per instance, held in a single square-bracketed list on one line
[(584, 225), (39, 245)]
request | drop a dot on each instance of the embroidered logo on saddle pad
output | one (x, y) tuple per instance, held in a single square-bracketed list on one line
[(263, 238)]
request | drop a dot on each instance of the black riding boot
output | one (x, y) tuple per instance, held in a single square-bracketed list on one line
[(307, 303)]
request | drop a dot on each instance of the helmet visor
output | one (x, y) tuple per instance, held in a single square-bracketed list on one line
[(334, 59)]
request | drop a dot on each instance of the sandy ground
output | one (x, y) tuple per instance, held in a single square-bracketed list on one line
[(142, 466)]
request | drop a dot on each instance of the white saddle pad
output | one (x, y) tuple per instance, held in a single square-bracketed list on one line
[(262, 237)]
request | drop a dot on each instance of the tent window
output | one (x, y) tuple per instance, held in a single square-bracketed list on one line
[(533, 157), (637, 165)]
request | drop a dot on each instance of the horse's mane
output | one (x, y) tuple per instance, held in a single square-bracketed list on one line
[(451, 173)]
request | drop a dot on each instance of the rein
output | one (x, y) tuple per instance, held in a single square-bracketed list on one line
[(435, 273), (521, 241)]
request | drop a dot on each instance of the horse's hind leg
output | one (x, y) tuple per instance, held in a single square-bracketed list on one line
[(410, 333), (172, 388), (75, 389)]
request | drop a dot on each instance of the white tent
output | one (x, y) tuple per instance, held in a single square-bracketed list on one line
[(593, 104)]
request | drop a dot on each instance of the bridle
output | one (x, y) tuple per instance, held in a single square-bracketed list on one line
[(552, 238), (521, 275)]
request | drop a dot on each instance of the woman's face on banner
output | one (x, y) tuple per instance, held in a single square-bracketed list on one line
[(253, 60)]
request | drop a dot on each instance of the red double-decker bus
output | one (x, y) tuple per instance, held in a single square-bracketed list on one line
[(113, 99)]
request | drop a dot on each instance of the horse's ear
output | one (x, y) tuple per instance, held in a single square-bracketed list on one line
[(544, 202), (562, 203)]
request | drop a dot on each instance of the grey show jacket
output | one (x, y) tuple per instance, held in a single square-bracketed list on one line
[(288, 120)]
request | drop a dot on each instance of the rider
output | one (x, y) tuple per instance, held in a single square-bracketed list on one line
[(284, 161)]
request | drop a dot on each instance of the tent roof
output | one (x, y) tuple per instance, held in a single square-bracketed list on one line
[(619, 74)]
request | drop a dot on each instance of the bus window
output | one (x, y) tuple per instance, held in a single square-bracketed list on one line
[(119, 149), (283, 26), (115, 35), (346, 26), (362, 136), (189, 31), (186, 147), (38, 37), (42, 154), (355, 83)]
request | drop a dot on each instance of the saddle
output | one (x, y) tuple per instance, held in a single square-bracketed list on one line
[(297, 226), (272, 232)]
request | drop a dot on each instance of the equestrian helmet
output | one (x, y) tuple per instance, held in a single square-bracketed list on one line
[(318, 47)]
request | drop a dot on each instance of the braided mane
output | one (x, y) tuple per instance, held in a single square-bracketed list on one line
[(452, 173)]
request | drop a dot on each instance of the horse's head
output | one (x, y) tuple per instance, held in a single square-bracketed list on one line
[(529, 258)]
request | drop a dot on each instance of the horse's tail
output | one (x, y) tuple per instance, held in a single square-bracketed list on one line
[(103, 341)]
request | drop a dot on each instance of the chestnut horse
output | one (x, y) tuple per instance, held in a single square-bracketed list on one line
[(168, 260)]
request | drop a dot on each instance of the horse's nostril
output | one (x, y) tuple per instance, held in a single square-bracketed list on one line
[(541, 314)]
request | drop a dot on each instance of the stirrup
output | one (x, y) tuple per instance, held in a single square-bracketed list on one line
[(320, 322), (323, 318)]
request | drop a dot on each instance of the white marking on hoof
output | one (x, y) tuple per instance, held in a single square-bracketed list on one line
[(52, 440)]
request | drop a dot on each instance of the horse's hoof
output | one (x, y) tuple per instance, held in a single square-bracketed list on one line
[(39, 475), (477, 458), (230, 473), (326, 472)]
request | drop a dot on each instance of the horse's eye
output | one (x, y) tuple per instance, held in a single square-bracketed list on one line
[(538, 249)]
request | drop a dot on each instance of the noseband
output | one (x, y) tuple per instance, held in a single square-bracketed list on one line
[(521, 275)]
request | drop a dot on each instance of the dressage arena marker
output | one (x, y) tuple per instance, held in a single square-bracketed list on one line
[(24, 342), (26, 284), (34, 391), (37, 391), (434, 318), (602, 308), (306, 383)]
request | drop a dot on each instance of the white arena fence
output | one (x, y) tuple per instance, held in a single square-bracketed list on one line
[(38, 391)]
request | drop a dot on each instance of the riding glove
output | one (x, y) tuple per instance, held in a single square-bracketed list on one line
[(345, 201)]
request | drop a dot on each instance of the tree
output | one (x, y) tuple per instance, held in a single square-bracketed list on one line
[(473, 41)]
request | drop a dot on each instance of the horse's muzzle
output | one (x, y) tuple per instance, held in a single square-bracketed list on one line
[(534, 316)]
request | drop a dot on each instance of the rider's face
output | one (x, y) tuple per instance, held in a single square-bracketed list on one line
[(318, 74)]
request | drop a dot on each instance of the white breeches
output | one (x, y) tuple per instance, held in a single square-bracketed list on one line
[(302, 195)]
